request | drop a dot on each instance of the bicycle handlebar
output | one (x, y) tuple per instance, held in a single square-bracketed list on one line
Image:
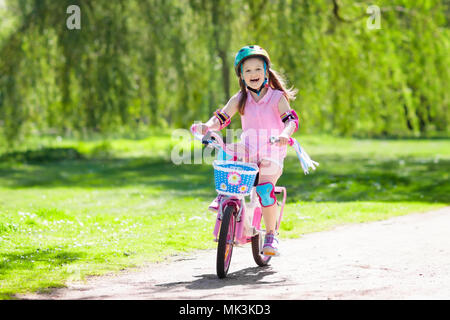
[(212, 139)]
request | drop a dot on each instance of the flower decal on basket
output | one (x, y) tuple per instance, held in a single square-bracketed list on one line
[(234, 178), (223, 186), (243, 188)]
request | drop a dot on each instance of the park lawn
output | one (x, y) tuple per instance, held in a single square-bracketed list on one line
[(72, 208)]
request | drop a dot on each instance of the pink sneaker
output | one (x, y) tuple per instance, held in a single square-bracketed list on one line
[(214, 205)]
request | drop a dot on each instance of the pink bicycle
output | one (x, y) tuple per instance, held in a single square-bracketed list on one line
[(237, 222)]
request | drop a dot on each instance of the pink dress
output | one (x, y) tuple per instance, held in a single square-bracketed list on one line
[(260, 121)]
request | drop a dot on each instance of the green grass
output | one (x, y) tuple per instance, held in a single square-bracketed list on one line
[(72, 208)]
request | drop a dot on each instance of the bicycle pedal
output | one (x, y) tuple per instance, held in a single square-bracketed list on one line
[(272, 254)]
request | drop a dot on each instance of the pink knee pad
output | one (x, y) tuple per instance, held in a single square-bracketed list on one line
[(266, 194)]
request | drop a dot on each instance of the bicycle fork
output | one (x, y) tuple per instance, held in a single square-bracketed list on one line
[(239, 211)]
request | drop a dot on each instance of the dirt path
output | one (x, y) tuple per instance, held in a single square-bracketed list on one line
[(406, 257)]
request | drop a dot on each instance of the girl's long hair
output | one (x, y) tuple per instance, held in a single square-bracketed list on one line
[(276, 81)]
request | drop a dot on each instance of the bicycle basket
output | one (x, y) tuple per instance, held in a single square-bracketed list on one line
[(234, 178)]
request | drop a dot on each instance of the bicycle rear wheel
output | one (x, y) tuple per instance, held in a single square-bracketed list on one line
[(226, 241), (260, 259)]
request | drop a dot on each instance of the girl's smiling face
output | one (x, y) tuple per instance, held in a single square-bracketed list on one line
[(253, 72)]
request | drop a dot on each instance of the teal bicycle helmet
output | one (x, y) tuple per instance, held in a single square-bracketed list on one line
[(247, 52)]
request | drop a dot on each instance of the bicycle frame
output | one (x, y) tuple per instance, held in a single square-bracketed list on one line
[(241, 212)]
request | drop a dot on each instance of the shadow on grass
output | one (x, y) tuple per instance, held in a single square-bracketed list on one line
[(51, 257), (27, 261), (337, 178), (365, 179), (42, 155), (28, 267), (109, 173)]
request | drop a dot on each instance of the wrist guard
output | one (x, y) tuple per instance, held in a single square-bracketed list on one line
[(290, 115), (224, 119)]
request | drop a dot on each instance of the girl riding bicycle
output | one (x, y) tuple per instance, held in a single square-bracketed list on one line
[(263, 103)]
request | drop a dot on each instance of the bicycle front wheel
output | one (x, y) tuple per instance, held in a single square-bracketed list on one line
[(226, 241)]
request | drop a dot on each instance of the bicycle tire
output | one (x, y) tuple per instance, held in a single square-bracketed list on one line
[(226, 241), (260, 259)]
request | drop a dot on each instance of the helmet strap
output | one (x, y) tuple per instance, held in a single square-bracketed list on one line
[(258, 91)]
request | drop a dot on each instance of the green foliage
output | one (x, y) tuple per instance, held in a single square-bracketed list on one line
[(167, 63)]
